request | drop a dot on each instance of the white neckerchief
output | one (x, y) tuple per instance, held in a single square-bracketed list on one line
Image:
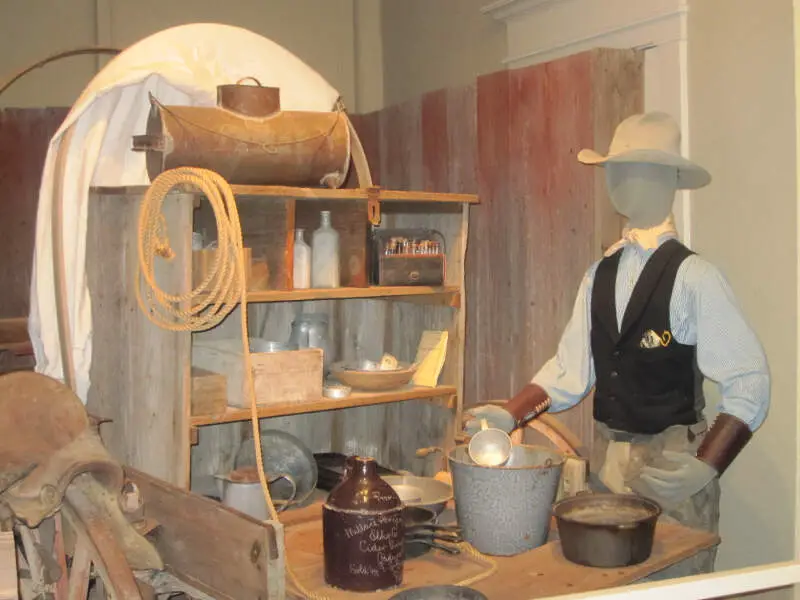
[(647, 239)]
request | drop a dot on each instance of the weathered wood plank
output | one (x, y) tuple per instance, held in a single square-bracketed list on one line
[(221, 552), (618, 92), (8, 567), (24, 136), (140, 373), (551, 212)]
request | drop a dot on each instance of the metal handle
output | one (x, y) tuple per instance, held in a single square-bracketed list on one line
[(144, 143), (284, 504), (258, 83), (432, 544)]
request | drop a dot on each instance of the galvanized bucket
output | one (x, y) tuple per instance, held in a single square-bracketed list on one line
[(506, 510)]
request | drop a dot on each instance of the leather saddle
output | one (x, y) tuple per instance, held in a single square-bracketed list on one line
[(47, 442)]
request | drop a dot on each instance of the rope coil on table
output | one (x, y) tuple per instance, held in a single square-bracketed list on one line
[(205, 306)]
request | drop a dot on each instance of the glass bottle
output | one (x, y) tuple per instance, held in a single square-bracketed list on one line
[(302, 262), (310, 330), (363, 531), (325, 254)]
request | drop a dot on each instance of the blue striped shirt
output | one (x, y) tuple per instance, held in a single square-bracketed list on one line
[(703, 312)]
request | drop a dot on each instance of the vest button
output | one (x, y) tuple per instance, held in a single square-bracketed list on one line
[(614, 374), (616, 353)]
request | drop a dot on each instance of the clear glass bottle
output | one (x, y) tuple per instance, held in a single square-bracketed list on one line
[(325, 254), (302, 261)]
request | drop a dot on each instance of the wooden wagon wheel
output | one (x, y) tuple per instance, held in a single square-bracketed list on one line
[(556, 433)]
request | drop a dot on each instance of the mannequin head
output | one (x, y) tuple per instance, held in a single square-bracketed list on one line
[(642, 192)]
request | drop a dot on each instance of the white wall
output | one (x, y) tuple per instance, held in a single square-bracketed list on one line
[(743, 110), (320, 32), (434, 44)]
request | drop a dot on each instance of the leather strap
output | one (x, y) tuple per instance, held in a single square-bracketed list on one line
[(529, 403), (726, 438)]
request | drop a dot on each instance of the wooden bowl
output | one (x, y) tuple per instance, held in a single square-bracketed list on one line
[(373, 381)]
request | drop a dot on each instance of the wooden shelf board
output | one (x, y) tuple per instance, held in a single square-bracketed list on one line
[(323, 404), (282, 191), (351, 194), (450, 294)]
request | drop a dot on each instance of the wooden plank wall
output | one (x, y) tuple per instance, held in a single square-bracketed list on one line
[(513, 138), (24, 136), (8, 567)]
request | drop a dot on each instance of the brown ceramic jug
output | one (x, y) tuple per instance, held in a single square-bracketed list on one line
[(363, 531)]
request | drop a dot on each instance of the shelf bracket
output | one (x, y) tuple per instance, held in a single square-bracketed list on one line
[(374, 205)]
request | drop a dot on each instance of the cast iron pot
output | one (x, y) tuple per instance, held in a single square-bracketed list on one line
[(606, 530)]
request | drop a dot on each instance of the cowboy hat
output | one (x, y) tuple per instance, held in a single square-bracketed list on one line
[(652, 138)]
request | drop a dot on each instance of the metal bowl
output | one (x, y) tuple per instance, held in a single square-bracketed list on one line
[(422, 492), (440, 592), (283, 453)]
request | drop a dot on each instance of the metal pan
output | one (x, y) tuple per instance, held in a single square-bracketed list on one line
[(422, 492), (423, 533)]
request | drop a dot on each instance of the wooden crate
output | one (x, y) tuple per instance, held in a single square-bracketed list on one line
[(290, 377)]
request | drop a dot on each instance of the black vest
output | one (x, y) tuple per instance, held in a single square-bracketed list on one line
[(638, 389)]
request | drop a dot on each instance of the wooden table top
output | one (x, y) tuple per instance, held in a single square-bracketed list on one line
[(538, 573)]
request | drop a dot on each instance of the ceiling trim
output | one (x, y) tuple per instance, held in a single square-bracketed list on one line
[(505, 9)]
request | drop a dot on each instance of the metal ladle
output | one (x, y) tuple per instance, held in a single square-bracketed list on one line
[(490, 447)]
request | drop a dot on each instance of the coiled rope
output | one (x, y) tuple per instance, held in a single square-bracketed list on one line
[(214, 298), (205, 306)]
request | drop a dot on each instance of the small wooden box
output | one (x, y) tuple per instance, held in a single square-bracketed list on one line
[(290, 377), (411, 270), (209, 393), (408, 257)]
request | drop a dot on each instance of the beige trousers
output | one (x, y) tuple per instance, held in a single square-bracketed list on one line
[(618, 458)]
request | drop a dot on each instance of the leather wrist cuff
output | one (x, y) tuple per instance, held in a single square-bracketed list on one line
[(723, 442), (530, 402)]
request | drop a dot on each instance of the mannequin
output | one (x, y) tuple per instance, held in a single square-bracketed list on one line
[(650, 320)]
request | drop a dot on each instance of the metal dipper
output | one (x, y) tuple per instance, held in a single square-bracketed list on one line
[(490, 447)]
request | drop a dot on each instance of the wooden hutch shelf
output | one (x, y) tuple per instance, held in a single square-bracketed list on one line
[(279, 191), (233, 414), (449, 295), (147, 392)]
